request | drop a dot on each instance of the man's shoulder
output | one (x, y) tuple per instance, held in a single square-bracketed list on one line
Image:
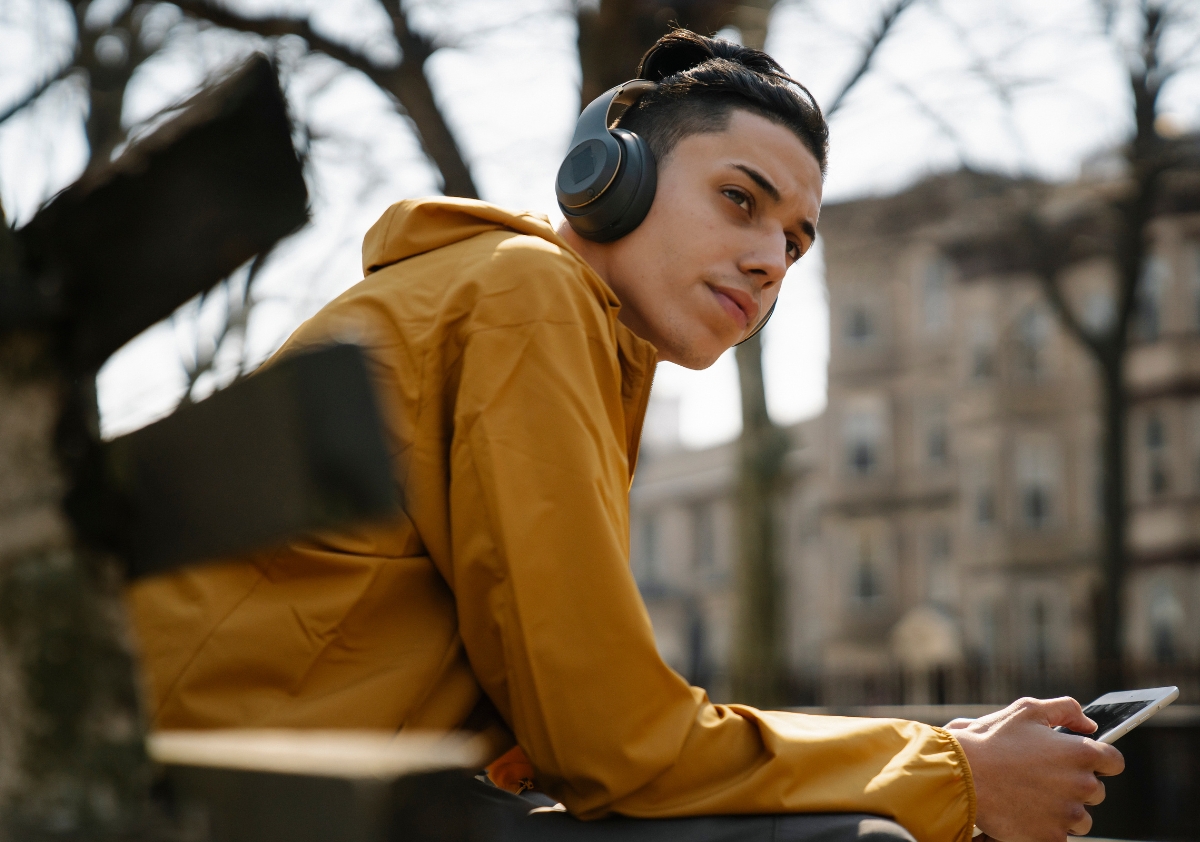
[(512, 277), (500, 278), (506, 250)]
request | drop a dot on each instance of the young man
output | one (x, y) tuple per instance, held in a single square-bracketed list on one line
[(513, 364)]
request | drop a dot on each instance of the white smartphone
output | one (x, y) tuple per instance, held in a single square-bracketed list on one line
[(1116, 714)]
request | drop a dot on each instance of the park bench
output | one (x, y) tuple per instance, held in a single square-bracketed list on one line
[(294, 448)]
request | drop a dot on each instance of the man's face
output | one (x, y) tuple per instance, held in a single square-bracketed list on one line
[(733, 211)]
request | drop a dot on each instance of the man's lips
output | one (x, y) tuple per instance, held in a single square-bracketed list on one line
[(740, 306)]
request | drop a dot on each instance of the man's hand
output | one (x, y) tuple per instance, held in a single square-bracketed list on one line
[(1031, 782)]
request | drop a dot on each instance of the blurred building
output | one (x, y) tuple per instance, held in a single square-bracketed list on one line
[(940, 522), (683, 550)]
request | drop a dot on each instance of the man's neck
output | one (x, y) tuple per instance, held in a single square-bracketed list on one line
[(593, 254), (597, 255)]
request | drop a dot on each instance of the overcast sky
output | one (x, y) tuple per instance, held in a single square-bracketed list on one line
[(509, 83)]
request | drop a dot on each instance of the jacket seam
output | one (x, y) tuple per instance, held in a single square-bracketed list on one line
[(334, 634), (217, 625)]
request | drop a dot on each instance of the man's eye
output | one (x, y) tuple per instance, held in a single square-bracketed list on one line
[(737, 197), (793, 251)]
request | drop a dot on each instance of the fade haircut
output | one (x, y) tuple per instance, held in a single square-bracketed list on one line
[(702, 80)]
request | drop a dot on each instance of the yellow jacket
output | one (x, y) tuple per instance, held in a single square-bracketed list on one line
[(502, 601)]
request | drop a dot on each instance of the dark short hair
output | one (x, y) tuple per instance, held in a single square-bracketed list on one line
[(701, 80)]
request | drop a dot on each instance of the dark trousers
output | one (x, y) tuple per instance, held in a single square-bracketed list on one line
[(547, 826)]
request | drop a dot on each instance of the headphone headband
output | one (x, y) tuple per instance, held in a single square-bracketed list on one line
[(598, 117)]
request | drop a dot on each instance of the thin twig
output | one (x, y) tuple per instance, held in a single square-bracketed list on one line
[(237, 317), (943, 125), (886, 22)]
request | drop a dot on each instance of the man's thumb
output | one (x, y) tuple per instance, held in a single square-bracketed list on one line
[(1066, 711)]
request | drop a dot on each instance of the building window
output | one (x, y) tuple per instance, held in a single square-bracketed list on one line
[(1037, 479), (649, 567), (698, 661), (1166, 616), (982, 353), (1151, 285), (936, 446), (937, 436), (989, 632), (703, 543), (1194, 274), (1098, 310), (1039, 636), (867, 587), (983, 363), (863, 434), (979, 490), (940, 584), (985, 507), (1033, 335), (935, 296), (1193, 415), (1156, 450), (859, 328), (1035, 505)]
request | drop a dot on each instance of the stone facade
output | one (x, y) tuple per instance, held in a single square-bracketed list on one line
[(940, 522)]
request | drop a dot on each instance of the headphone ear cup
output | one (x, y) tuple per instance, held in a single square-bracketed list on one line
[(624, 202)]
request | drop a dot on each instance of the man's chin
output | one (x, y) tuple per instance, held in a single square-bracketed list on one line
[(694, 358), (695, 346)]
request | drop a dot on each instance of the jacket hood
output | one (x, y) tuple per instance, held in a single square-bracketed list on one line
[(415, 226)]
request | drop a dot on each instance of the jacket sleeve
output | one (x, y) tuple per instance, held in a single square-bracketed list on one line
[(557, 633)]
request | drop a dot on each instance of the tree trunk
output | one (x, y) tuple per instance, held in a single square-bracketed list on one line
[(72, 756), (1148, 161), (1108, 620), (72, 762), (758, 664), (614, 34)]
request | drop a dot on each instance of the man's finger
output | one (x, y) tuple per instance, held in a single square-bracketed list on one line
[(1097, 795), (1064, 711), (1081, 822), (1108, 760)]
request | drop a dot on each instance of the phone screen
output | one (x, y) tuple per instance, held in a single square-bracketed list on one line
[(1108, 717)]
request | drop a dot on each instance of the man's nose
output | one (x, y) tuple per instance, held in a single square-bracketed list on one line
[(765, 260)]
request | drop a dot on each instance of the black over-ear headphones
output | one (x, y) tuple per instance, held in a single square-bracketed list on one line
[(606, 184)]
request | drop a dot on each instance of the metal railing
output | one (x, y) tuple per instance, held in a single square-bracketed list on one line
[(979, 684)]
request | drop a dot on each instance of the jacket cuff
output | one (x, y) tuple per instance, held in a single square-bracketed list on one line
[(968, 782)]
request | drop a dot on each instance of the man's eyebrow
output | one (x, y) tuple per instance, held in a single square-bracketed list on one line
[(773, 191), (761, 180)]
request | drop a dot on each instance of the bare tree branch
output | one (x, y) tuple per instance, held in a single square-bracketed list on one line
[(39, 89), (875, 40), (236, 319), (405, 82), (1062, 308), (1001, 87), (942, 124)]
